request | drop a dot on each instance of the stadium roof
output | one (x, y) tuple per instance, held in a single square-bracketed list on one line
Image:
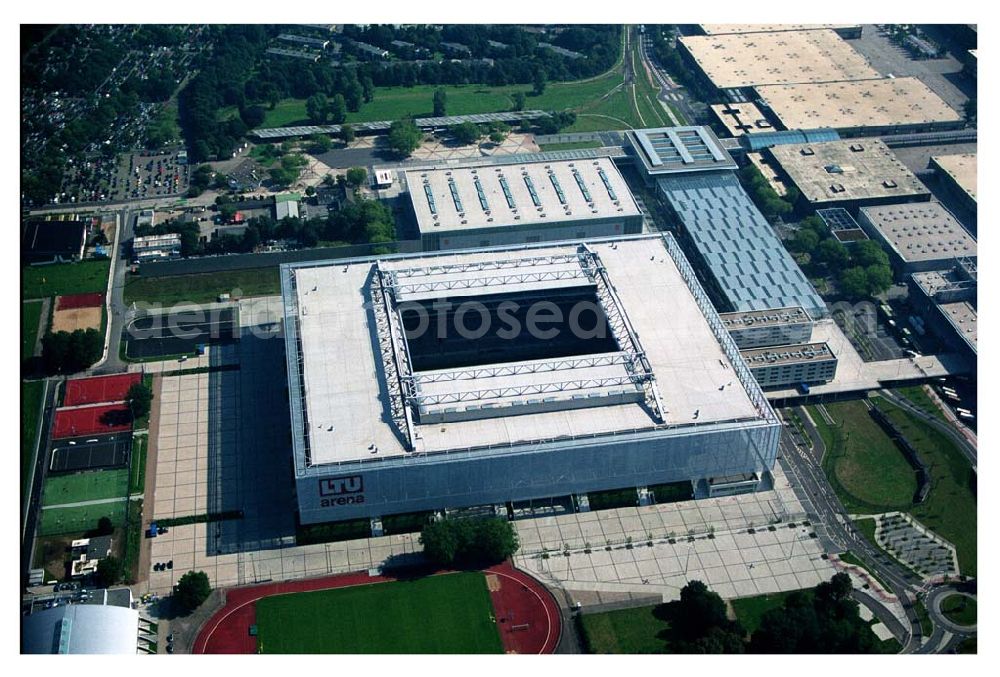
[(365, 401), (669, 150), (466, 198), (777, 58), (424, 123), (921, 231), (752, 268), (858, 105), (962, 168), (847, 170), (81, 629)]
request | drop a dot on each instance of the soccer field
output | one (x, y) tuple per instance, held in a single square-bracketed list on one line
[(87, 486), (451, 613)]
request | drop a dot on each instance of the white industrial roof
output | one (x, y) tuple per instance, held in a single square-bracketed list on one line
[(341, 362), (962, 168), (81, 629), (533, 193), (921, 231)]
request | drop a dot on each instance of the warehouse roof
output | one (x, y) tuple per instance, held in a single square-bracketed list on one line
[(347, 396), (844, 170), (669, 150), (962, 168), (921, 231), (542, 193), (856, 105), (752, 268), (725, 29), (742, 118), (963, 317), (752, 59)]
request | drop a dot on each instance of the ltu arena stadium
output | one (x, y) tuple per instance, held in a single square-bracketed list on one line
[(480, 377)]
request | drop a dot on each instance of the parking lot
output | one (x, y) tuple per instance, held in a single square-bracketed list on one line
[(144, 176)]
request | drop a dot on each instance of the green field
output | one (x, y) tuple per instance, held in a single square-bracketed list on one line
[(79, 519), (203, 287), (749, 610), (137, 473), (31, 404), (64, 278), (920, 399), (451, 613), (627, 631), (573, 145), (959, 609), (868, 471), (31, 314), (93, 485)]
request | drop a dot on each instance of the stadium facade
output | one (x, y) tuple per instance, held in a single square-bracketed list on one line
[(647, 387)]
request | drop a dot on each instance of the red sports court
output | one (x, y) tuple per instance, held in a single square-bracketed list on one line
[(71, 301), (99, 389), (105, 418)]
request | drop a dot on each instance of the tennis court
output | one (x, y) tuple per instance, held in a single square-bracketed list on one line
[(107, 418), (90, 453), (99, 389), (72, 301)]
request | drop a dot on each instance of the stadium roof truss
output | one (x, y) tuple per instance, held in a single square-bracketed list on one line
[(410, 391)]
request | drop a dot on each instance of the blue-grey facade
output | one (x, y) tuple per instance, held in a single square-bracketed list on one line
[(750, 268)]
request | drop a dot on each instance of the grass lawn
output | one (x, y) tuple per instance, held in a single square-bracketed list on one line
[(137, 473), (64, 278), (574, 145), (451, 613), (31, 404), (959, 609), (749, 610), (864, 466), (31, 314), (86, 486), (850, 558), (919, 398), (82, 518), (203, 287), (627, 631), (950, 508)]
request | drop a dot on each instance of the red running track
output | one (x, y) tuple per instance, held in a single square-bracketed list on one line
[(106, 418), (520, 597), (99, 389), (70, 301)]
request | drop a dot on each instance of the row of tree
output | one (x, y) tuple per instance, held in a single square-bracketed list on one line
[(763, 195), (861, 270), (467, 542)]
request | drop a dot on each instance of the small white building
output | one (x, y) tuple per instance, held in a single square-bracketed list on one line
[(156, 247)]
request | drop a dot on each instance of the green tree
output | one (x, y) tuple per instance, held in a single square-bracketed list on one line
[(867, 253), (440, 542), (356, 177), (282, 178), (466, 132), (469, 541), (253, 116), (109, 572), (519, 99), (440, 103), (319, 143), (879, 278), (495, 540), (338, 109), (318, 108), (497, 137), (854, 282), (192, 590), (805, 241), (538, 82), (832, 253), (105, 526), (139, 399), (404, 137), (347, 133)]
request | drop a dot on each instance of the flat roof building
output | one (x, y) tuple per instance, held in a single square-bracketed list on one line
[(307, 55), (844, 30), (771, 327), (781, 366), (81, 629), (320, 43), (778, 58), (673, 150), (920, 236), (408, 415), (847, 173), (561, 51), (156, 247), (731, 241), (945, 286), (859, 108), (741, 118), (963, 318), (286, 205), (460, 207), (959, 174)]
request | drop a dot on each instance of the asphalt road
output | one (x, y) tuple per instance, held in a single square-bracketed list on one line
[(33, 499)]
